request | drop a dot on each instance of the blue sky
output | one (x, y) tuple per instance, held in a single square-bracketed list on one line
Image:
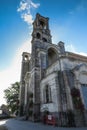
[(68, 23)]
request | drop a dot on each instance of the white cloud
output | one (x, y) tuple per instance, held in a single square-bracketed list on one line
[(35, 5), (23, 6), (27, 18), (25, 10), (12, 74)]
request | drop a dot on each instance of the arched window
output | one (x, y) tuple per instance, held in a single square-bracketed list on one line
[(26, 57), (42, 24), (52, 56), (38, 36), (44, 39), (47, 94)]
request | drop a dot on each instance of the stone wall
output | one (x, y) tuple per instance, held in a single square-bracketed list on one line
[(51, 81)]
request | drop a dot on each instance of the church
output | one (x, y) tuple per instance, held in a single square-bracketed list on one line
[(53, 81)]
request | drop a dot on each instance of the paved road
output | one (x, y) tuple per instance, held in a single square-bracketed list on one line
[(14, 124)]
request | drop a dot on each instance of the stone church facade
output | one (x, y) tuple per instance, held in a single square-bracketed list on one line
[(53, 81)]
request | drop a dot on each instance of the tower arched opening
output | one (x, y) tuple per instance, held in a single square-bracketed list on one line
[(52, 56)]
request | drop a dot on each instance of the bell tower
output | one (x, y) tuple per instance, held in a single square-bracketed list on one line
[(41, 38), (24, 69), (41, 30)]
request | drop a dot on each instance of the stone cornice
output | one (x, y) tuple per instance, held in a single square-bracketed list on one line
[(74, 56)]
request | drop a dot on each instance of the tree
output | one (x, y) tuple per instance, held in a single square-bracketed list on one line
[(12, 97)]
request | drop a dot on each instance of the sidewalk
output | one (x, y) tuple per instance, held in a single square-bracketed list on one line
[(3, 127), (15, 124)]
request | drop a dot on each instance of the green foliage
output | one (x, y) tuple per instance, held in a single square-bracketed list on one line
[(12, 96)]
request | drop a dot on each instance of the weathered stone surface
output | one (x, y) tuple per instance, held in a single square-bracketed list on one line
[(50, 74)]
